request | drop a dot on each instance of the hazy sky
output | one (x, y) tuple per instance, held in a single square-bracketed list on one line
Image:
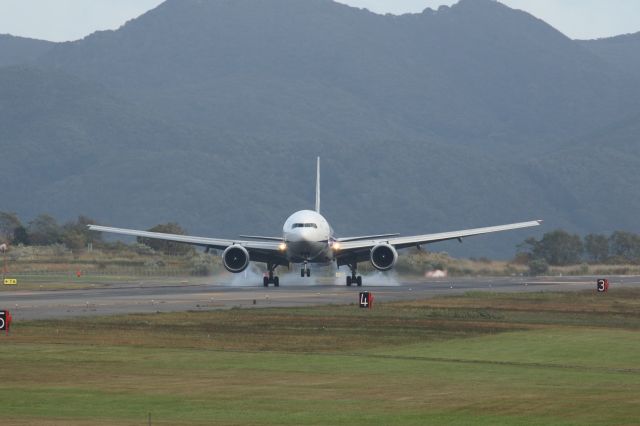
[(60, 20)]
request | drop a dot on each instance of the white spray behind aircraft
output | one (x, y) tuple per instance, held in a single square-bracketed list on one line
[(307, 238)]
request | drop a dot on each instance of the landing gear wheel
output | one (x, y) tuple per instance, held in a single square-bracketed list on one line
[(276, 281), (354, 279), (265, 281), (302, 273), (308, 272)]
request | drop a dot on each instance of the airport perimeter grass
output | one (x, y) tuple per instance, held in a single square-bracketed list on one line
[(487, 359)]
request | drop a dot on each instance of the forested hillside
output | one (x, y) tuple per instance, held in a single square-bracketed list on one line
[(19, 50), (211, 114), (621, 51)]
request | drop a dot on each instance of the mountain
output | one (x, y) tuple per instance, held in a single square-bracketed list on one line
[(622, 51), (211, 113), (417, 73), (19, 50)]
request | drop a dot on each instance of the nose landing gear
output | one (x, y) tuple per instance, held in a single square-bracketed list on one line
[(305, 270)]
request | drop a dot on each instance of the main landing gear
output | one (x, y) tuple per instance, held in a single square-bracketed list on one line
[(271, 279), (354, 278), (305, 270)]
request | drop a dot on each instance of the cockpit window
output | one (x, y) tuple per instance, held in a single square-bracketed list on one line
[(304, 225)]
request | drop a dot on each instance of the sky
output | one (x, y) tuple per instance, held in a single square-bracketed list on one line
[(63, 20)]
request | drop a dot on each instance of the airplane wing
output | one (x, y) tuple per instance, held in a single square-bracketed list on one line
[(366, 237), (258, 237), (360, 248), (259, 251)]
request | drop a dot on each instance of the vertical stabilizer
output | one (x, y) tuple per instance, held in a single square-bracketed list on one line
[(318, 186)]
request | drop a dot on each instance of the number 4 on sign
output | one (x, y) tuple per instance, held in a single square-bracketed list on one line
[(364, 300)]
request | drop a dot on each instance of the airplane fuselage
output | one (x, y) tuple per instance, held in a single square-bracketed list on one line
[(308, 238)]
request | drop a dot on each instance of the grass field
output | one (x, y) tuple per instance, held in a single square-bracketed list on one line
[(487, 359), (48, 282)]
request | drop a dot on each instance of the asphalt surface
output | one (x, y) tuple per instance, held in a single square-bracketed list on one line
[(150, 297)]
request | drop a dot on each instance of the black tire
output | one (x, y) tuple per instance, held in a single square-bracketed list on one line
[(308, 272), (348, 281), (265, 281), (276, 281), (302, 273), (359, 281)]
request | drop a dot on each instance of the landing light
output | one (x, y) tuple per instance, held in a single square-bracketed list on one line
[(282, 247), (336, 246)]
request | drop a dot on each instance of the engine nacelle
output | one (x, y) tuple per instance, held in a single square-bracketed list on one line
[(384, 257), (235, 259)]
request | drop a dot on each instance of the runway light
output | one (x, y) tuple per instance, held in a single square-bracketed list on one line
[(282, 247)]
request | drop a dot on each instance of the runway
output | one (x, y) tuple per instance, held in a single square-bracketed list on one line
[(151, 298)]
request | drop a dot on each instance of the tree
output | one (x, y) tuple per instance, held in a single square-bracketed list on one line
[(558, 248), (167, 247), (525, 250), (21, 236), (596, 247), (74, 240), (625, 245), (44, 231), (76, 235), (9, 222), (538, 267)]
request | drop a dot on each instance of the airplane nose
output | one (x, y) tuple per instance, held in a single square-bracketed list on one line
[(300, 234)]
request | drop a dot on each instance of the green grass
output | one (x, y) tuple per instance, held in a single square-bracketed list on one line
[(69, 281), (524, 359)]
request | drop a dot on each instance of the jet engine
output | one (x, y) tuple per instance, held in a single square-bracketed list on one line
[(235, 259), (384, 257)]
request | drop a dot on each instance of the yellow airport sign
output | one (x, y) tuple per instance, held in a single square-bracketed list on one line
[(10, 281)]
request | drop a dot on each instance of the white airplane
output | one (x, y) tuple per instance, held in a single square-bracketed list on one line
[(308, 238)]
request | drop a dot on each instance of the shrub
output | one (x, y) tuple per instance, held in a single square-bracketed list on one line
[(538, 267)]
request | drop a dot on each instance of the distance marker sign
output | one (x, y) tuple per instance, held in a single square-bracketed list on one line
[(603, 285), (366, 300), (3, 320)]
